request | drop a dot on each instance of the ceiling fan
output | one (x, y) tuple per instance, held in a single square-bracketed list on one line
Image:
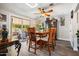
[(45, 12), (42, 10)]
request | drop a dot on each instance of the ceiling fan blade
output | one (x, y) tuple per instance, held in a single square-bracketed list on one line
[(49, 11), (46, 14), (41, 10)]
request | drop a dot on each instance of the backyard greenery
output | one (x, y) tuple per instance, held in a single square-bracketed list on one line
[(20, 26), (40, 26)]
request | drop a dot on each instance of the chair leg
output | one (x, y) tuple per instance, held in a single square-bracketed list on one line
[(54, 44), (49, 50), (53, 48), (29, 45), (35, 47)]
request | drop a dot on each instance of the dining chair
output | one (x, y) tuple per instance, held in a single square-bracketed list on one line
[(32, 39), (51, 39)]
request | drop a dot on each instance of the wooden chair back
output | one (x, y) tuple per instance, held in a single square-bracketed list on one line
[(31, 33), (32, 37), (52, 35)]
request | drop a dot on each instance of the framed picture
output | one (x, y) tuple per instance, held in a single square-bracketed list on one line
[(62, 21), (2, 17)]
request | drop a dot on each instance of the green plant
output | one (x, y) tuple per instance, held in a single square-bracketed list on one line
[(26, 26), (39, 27), (77, 33), (43, 26), (16, 25)]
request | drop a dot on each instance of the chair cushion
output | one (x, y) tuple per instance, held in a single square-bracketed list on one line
[(45, 38)]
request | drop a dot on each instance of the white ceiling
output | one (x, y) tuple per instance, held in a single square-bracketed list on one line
[(24, 10), (21, 8), (64, 8), (17, 8)]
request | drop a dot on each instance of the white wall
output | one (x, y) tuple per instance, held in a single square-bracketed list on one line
[(74, 22), (63, 32), (64, 10), (68, 32)]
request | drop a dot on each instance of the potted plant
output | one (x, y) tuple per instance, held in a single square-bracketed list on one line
[(77, 34)]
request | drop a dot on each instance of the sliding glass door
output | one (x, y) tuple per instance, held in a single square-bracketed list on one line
[(19, 28)]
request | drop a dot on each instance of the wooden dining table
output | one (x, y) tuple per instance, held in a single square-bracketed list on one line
[(8, 43), (42, 34)]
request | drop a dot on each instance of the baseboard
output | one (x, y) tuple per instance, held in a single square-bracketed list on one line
[(75, 49), (63, 39)]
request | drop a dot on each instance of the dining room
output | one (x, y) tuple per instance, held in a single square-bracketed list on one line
[(39, 29)]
